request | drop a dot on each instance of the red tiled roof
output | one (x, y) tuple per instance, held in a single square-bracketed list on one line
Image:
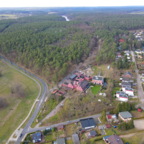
[(121, 40), (109, 116)]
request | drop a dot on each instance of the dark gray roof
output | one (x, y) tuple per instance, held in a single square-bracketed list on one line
[(84, 84), (129, 89), (36, 137), (89, 122), (128, 73), (125, 114), (93, 133), (127, 79), (73, 76), (126, 84), (60, 141)]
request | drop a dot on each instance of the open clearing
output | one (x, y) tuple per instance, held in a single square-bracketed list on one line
[(95, 89), (7, 16), (139, 124), (18, 104), (137, 138)]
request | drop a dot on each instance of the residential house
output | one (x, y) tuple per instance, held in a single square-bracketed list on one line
[(111, 117), (125, 116), (98, 80), (37, 137), (92, 134), (127, 74), (127, 53), (119, 55), (88, 123), (129, 91), (113, 139), (138, 51), (75, 139), (126, 85), (60, 141), (122, 96), (77, 81), (82, 86), (118, 93), (121, 40), (126, 79)]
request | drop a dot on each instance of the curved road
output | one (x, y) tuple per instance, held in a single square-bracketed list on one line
[(39, 104)]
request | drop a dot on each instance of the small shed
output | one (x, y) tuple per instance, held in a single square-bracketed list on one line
[(92, 133)]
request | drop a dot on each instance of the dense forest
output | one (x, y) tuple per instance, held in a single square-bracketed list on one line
[(50, 46)]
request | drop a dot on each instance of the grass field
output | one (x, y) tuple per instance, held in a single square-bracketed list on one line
[(95, 89), (8, 16), (18, 107), (137, 138)]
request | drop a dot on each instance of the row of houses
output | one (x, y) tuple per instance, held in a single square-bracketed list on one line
[(121, 55), (126, 87), (139, 35), (80, 81), (139, 51), (124, 116), (86, 124)]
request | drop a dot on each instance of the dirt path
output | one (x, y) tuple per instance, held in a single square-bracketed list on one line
[(53, 112), (128, 135), (10, 114)]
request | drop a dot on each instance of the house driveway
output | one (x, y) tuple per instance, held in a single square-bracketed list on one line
[(139, 124)]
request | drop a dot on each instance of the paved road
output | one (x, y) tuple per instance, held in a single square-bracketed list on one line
[(35, 113), (64, 123), (39, 104), (139, 82)]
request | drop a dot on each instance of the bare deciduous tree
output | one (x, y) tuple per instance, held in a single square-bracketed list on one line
[(3, 103), (18, 90)]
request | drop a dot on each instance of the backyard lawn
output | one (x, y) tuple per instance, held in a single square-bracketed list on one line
[(18, 93), (96, 89)]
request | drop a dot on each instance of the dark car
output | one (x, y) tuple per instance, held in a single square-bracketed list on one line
[(21, 135)]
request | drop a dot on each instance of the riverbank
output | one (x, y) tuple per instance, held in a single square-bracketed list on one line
[(66, 18)]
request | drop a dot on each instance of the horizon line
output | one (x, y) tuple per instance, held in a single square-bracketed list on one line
[(73, 6)]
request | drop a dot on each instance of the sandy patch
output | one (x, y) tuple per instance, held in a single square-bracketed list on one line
[(139, 124)]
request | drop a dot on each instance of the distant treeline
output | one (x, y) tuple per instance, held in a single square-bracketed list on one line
[(49, 45)]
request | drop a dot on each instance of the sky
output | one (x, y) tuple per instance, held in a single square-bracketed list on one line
[(69, 3)]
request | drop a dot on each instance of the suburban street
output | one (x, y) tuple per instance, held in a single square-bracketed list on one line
[(40, 100), (139, 82), (30, 130)]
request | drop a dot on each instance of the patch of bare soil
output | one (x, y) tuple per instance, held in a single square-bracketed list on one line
[(139, 124)]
